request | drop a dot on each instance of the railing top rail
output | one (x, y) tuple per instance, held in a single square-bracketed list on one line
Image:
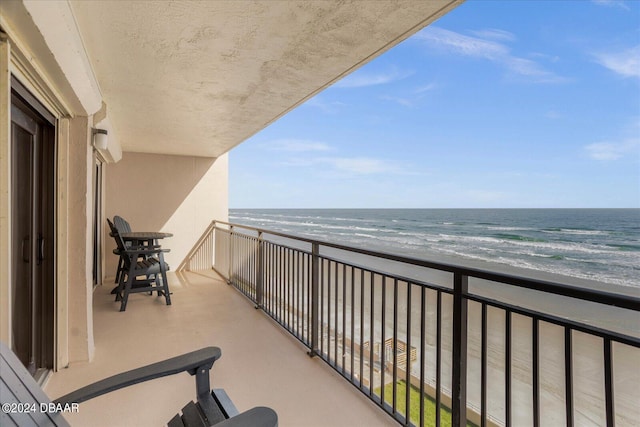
[(608, 298)]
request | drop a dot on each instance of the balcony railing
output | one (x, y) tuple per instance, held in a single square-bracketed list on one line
[(428, 341)]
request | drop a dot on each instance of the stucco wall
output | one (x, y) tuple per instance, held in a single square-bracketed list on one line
[(80, 241), (175, 194)]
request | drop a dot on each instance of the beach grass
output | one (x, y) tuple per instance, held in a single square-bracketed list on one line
[(414, 408)]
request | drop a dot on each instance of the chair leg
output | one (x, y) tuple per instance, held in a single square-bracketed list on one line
[(119, 270), (125, 292), (159, 287), (119, 273), (118, 290), (165, 286)]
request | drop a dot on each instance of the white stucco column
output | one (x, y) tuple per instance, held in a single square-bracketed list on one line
[(5, 194), (80, 284)]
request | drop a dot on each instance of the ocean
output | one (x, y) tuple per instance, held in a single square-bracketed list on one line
[(597, 245)]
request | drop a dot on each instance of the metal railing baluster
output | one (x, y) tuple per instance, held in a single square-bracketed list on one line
[(353, 321), (383, 352), (315, 270), (568, 375), (507, 367), (459, 352), (438, 358), (608, 382), (260, 273), (408, 358), (483, 369), (395, 346), (336, 315), (423, 341), (361, 327), (372, 310), (535, 371), (344, 317)]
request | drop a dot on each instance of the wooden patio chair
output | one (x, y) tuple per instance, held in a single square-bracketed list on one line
[(143, 270), (24, 403)]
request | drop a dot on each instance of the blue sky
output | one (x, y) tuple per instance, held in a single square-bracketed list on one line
[(498, 104)]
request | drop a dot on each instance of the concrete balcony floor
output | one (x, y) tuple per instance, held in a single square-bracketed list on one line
[(261, 364)]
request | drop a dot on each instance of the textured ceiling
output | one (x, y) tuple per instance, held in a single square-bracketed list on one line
[(198, 78)]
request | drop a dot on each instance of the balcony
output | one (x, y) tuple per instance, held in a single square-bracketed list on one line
[(261, 364), (469, 346)]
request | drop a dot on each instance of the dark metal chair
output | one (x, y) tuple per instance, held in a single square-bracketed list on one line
[(143, 269), (32, 406)]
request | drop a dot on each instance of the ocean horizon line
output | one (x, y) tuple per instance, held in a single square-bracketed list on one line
[(427, 208)]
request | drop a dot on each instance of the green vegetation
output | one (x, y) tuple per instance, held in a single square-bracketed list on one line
[(414, 408)]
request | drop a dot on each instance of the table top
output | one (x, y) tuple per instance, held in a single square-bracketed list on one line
[(145, 235)]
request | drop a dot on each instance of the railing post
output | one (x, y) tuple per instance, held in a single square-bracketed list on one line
[(214, 237), (230, 261), (315, 297), (259, 272), (459, 353)]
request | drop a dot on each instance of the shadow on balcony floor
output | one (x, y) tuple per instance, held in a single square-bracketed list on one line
[(261, 364)]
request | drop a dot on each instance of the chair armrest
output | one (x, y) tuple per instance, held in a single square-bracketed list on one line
[(146, 251), (190, 362), (256, 417)]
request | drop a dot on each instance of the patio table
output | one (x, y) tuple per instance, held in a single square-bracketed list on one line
[(148, 237)]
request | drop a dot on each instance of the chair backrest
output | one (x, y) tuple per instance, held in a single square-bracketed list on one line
[(112, 227), (116, 235), (122, 224), (17, 387)]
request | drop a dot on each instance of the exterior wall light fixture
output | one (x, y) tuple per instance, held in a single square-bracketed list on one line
[(100, 139)]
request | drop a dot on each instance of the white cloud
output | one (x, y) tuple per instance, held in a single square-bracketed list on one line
[(464, 45), (486, 47), (529, 68), (358, 165), (349, 165), (331, 107), (407, 102), (625, 62), (426, 88), (554, 115), (613, 150), (362, 79), (494, 34), (412, 98), (612, 3), (296, 145)]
